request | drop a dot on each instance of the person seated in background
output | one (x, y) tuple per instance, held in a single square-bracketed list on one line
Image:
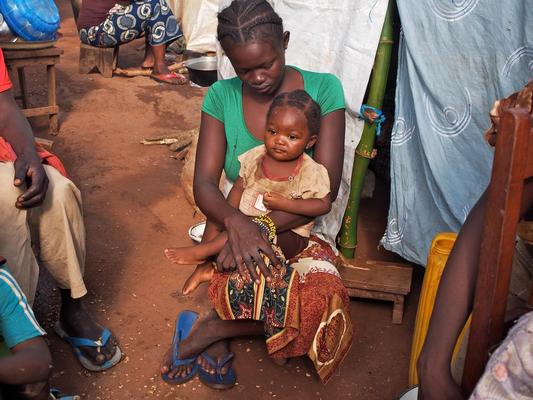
[(39, 205), (455, 297), (110, 23), (25, 369)]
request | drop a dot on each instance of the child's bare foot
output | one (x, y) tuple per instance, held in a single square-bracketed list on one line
[(202, 273), (184, 255)]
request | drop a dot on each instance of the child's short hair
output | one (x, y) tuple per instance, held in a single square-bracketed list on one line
[(245, 20), (301, 100)]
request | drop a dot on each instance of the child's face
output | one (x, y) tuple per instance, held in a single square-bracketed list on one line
[(287, 135)]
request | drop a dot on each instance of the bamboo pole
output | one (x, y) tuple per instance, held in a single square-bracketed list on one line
[(363, 152)]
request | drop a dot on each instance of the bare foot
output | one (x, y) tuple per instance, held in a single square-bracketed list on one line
[(202, 273), (202, 335), (184, 255), (78, 322), (217, 352)]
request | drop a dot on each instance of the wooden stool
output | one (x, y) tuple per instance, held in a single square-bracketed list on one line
[(378, 280), (19, 59), (103, 59)]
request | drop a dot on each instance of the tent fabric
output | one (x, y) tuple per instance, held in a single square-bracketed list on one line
[(339, 37), (455, 59), (198, 22)]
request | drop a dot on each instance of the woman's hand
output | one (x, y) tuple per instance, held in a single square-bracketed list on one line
[(245, 248)]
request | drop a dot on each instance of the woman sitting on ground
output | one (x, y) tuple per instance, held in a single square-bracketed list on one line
[(233, 120), (110, 23)]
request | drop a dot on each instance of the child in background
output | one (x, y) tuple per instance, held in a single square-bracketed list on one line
[(278, 175), (25, 368)]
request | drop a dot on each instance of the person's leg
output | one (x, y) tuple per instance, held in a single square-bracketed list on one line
[(197, 254), (291, 243), (208, 330), (15, 237), (57, 226), (203, 271), (161, 28), (148, 61)]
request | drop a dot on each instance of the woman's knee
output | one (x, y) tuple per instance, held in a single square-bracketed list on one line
[(61, 191)]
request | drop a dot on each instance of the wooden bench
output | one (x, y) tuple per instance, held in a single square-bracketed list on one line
[(378, 280), (49, 57), (101, 59)]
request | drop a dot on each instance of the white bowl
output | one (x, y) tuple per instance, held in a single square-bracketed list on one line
[(411, 394), (196, 232)]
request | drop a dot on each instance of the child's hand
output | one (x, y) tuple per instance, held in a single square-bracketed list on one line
[(274, 201)]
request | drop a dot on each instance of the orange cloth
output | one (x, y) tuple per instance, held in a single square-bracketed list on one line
[(5, 82), (8, 154)]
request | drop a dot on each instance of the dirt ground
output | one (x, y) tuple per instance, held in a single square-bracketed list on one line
[(134, 207)]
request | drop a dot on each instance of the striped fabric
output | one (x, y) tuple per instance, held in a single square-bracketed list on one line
[(17, 321)]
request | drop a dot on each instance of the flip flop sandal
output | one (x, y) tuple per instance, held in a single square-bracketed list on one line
[(56, 395), (168, 78), (218, 380), (184, 324), (76, 343)]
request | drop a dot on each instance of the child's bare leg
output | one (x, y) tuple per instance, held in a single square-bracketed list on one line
[(203, 271), (291, 243), (197, 254)]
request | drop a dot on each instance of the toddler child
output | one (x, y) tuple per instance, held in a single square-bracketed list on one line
[(278, 175)]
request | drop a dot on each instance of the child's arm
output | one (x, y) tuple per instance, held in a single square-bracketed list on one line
[(30, 362), (235, 194), (307, 207)]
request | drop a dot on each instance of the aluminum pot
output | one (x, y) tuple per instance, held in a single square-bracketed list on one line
[(202, 70), (5, 33)]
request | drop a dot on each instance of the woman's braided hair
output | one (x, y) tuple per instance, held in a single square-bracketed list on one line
[(300, 100), (245, 20)]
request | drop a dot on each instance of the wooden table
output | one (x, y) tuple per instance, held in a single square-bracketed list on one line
[(49, 57)]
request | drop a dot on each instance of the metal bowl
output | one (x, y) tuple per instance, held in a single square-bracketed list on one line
[(202, 70), (5, 33)]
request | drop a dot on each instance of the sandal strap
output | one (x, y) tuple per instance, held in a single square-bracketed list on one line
[(78, 342), (218, 365)]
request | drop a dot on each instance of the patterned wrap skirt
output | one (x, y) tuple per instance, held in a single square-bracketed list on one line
[(305, 307), (154, 18)]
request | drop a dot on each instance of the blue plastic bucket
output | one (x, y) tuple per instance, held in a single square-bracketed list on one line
[(32, 20)]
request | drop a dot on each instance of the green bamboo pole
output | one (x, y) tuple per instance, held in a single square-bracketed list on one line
[(363, 152)]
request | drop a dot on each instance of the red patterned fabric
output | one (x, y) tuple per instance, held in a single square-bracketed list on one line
[(320, 319)]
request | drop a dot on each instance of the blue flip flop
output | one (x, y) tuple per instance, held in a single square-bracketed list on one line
[(76, 343), (57, 395), (184, 324), (218, 380)]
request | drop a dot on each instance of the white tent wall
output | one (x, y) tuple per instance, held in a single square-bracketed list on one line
[(340, 37), (198, 22)]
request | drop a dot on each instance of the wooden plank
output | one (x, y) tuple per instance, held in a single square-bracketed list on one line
[(21, 54), (397, 299), (44, 143), (378, 276), (497, 246), (38, 111), (32, 62)]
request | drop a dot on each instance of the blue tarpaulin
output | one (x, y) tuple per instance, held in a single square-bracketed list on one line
[(456, 58)]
